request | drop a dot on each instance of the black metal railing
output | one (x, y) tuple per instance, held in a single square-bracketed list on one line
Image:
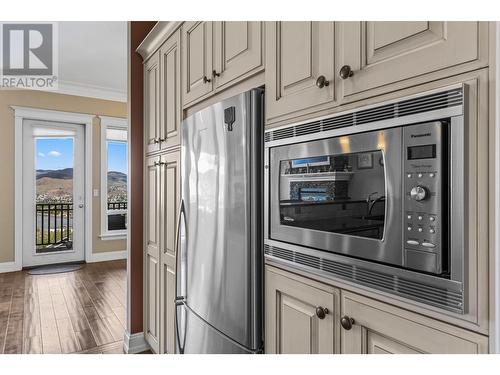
[(54, 223), (117, 205)]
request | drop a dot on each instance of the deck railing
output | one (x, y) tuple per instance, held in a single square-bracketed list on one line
[(54, 223)]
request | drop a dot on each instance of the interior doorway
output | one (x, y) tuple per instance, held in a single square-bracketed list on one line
[(53, 193)]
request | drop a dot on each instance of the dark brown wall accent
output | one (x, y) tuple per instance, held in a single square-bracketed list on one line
[(138, 30)]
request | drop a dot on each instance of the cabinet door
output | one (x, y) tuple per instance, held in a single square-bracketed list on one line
[(170, 196), (238, 50), (170, 92), (152, 253), (197, 60), (297, 54), (292, 324), (151, 104), (381, 328), (383, 53)]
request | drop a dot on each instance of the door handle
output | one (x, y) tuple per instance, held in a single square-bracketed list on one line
[(81, 205), (179, 300)]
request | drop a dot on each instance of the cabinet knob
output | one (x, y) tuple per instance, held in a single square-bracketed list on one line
[(215, 74), (346, 322), (162, 140), (321, 312), (345, 72), (156, 140), (322, 82), (206, 80)]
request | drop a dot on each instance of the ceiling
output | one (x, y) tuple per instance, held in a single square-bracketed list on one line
[(93, 59)]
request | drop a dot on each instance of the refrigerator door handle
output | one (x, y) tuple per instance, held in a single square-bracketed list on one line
[(179, 299)]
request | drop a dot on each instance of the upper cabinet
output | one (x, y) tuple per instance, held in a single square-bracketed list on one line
[(152, 104), (170, 91), (217, 55), (373, 55), (300, 67), (197, 59), (238, 51)]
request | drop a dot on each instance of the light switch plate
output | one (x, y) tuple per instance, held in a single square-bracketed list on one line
[(96, 192)]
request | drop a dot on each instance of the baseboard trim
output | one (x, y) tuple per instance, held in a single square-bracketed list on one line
[(134, 343), (10, 267), (109, 255)]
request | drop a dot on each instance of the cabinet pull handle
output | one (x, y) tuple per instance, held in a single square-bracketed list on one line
[(156, 140), (322, 82), (346, 72), (321, 312), (162, 140), (215, 74), (206, 80), (346, 322)]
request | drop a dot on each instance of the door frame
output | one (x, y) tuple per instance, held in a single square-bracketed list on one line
[(25, 113)]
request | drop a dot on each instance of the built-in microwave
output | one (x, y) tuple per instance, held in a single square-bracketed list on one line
[(379, 189)]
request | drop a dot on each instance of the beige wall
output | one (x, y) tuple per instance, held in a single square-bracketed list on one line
[(44, 100)]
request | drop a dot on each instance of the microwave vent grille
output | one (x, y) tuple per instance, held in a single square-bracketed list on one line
[(413, 106), (450, 300)]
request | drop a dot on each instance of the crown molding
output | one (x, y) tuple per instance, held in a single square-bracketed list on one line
[(156, 37), (90, 91)]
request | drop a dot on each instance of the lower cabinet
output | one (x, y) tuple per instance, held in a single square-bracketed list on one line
[(300, 318), (296, 322), (162, 193)]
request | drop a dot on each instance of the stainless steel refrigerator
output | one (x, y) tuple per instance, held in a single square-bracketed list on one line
[(219, 301)]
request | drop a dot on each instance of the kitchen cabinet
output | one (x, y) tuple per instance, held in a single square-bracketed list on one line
[(380, 328), (300, 67), (169, 212), (152, 104), (152, 252), (197, 59), (170, 92), (301, 318), (238, 51), (373, 56)]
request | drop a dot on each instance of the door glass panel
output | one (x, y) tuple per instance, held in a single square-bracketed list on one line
[(54, 162), (342, 193)]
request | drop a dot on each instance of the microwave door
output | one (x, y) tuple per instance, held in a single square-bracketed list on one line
[(341, 195)]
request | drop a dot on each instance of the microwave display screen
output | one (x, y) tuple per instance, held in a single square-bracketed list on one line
[(422, 152)]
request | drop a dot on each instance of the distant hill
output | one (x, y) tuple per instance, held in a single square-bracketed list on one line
[(117, 178), (59, 174)]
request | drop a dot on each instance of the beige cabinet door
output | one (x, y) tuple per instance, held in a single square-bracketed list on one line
[(152, 104), (238, 51), (169, 200), (292, 322), (297, 55), (197, 60), (383, 329), (383, 53), (152, 253), (170, 91)]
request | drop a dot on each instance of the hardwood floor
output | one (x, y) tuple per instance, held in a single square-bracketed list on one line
[(76, 312)]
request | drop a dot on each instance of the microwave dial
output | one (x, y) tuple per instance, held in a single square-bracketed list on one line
[(419, 193)]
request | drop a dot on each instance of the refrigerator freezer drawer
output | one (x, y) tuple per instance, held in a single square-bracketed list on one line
[(195, 336)]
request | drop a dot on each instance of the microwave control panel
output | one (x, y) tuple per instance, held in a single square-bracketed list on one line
[(423, 196)]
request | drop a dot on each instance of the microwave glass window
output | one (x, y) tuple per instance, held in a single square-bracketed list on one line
[(335, 193), (422, 152)]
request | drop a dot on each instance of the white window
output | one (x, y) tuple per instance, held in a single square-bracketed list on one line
[(114, 178)]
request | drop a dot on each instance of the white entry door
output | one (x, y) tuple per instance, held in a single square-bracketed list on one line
[(53, 192)]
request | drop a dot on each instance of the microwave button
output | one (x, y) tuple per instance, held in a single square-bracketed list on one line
[(409, 217), (420, 175), (420, 217), (432, 218), (432, 231), (428, 244), (412, 242), (409, 175), (409, 228), (431, 174), (420, 229)]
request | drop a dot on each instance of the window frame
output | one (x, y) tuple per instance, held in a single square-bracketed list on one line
[(119, 124)]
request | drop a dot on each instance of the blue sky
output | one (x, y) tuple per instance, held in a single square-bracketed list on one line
[(57, 153)]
